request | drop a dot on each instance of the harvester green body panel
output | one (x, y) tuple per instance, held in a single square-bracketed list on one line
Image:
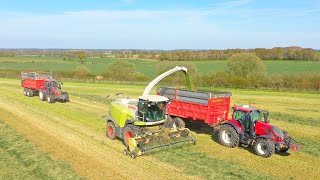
[(121, 113)]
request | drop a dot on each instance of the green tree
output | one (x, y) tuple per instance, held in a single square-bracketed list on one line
[(81, 55), (120, 70), (245, 65)]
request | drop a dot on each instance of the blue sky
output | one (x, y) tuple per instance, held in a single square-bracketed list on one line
[(165, 24)]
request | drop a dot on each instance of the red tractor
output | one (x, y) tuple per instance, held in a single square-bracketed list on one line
[(248, 125), (44, 85)]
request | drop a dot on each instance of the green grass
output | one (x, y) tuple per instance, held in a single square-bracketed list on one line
[(20, 159), (199, 164), (296, 113), (144, 66)]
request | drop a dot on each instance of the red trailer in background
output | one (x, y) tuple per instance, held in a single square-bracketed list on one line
[(248, 125), (44, 85)]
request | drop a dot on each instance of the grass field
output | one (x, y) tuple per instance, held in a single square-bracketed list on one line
[(145, 66), (73, 134)]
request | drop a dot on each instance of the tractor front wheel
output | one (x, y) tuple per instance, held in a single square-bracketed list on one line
[(127, 133), (264, 147), (228, 136), (111, 130), (51, 98)]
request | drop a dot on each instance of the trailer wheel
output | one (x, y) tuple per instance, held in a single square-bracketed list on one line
[(111, 130), (168, 122), (42, 95), (127, 133), (25, 91), (228, 136), (178, 122), (50, 98), (31, 93), (264, 147)]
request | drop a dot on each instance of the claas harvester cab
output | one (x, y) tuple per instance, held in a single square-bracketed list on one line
[(142, 123)]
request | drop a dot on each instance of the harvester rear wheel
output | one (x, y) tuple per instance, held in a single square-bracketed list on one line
[(111, 130), (127, 133), (264, 147), (179, 123), (228, 136)]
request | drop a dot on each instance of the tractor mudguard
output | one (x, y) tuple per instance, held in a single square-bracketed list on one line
[(234, 126)]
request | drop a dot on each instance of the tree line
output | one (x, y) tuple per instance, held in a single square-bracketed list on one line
[(277, 53)]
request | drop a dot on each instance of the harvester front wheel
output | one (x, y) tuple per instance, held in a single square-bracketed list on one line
[(111, 130), (228, 136), (264, 147), (178, 122), (127, 133)]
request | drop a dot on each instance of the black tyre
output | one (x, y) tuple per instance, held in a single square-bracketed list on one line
[(42, 95), (31, 93), (178, 122), (111, 130), (51, 98), (126, 152), (263, 147), (128, 133), (67, 97), (133, 155), (168, 122), (228, 136), (25, 91)]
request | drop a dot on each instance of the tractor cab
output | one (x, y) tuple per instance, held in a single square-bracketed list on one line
[(152, 108), (53, 86), (248, 117)]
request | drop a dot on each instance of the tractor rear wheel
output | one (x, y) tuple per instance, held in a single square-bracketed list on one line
[(127, 133), (264, 147), (228, 136), (111, 130), (42, 95), (178, 122)]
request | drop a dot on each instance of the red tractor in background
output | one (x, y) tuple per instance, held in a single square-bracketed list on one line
[(44, 85), (248, 125)]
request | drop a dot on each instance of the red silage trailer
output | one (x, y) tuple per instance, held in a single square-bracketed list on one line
[(209, 107)]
